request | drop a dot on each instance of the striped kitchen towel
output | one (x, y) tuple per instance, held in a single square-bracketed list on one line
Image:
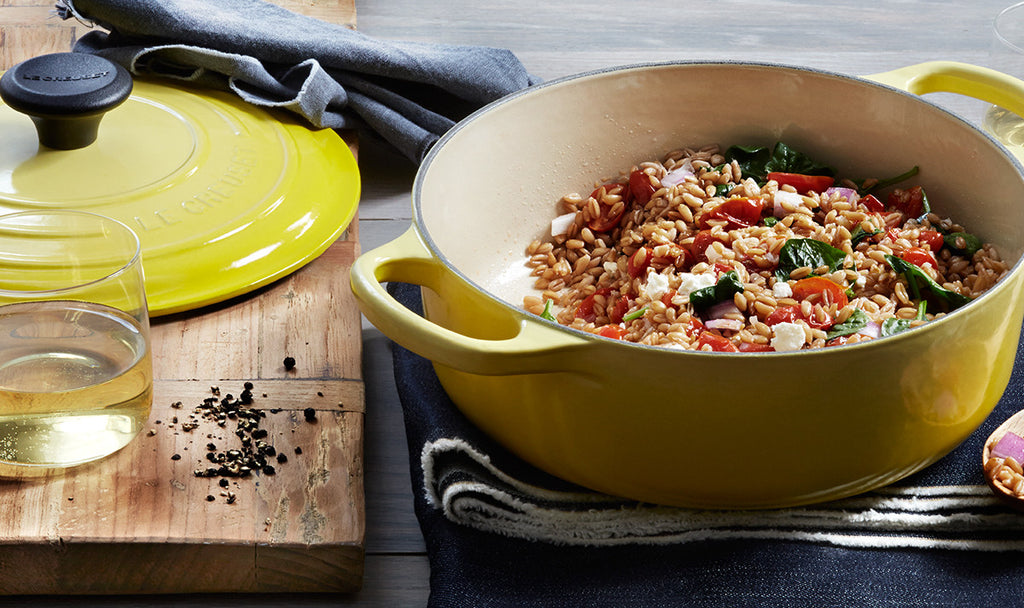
[(501, 533)]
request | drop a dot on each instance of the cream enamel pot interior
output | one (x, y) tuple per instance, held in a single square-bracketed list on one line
[(716, 430)]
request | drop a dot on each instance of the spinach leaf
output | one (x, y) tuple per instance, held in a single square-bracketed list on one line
[(857, 321), (891, 327), (807, 252), (859, 234), (759, 161), (917, 279), (971, 244), (770, 221), (885, 183), (723, 189), (727, 286)]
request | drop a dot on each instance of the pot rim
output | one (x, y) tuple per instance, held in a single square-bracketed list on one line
[(1007, 282)]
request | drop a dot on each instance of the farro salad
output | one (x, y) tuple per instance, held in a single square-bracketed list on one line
[(753, 249)]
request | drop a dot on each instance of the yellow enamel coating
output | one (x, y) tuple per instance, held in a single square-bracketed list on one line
[(714, 430), (225, 197)]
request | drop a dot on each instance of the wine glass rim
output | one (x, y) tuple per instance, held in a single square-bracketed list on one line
[(1000, 18)]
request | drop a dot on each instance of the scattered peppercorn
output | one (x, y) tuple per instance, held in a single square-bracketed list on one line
[(210, 498), (310, 414), (298, 450), (281, 458), (176, 457), (224, 483), (289, 363)]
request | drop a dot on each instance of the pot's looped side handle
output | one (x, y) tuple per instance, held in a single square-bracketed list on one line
[(974, 81), (534, 349)]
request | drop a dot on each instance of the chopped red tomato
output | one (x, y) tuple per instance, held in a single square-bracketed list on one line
[(919, 257), (910, 202), (717, 342), (619, 310), (636, 268), (802, 183), (640, 187), (695, 327), (667, 298), (615, 332), (606, 221), (737, 212), (753, 347), (933, 239), (892, 234), (872, 203), (585, 310), (830, 292)]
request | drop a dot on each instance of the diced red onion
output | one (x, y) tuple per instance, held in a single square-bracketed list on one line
[(731, 324), (849, 194), (717, 311), (1010, 445), (872, 330), (560, 225), (678, 175)]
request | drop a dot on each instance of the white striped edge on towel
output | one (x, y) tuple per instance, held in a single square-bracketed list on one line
[(472, 491)]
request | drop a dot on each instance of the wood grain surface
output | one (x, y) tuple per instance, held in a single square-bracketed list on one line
[(141, 521)]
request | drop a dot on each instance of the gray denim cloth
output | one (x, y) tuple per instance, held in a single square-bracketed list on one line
[(407, 93)]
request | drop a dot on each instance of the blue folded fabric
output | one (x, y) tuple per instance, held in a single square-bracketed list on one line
[(405, 93), (502, 533)]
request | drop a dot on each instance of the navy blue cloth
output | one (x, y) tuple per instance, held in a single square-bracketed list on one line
[(406, 94), (470, 567)]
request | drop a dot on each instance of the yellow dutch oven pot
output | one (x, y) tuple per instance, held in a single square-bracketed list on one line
[(224, 196), (695, 429)]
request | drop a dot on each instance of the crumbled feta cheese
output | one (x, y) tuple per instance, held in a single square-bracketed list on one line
[(861, 281), (783, 197), (560, 225), (781, 289), (788, 337), (611, 268), (657, 285), (690, 283)]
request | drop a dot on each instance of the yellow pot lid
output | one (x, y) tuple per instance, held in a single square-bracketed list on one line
[(225, 197)]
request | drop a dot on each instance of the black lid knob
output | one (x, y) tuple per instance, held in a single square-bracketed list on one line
[(66, 95)]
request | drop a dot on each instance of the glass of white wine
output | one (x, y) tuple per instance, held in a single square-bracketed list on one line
[(1008, 57), (76, 374)]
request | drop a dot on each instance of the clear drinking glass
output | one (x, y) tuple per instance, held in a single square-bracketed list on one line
[(76, 374), (1008, 57)]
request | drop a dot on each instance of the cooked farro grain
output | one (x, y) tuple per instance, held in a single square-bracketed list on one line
[(689, 253)]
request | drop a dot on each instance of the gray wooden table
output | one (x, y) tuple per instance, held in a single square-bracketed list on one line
[(554, 39)]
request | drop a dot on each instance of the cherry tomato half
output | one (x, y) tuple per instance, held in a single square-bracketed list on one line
[(615, 332), (910, 202), (737, 212), (640, 187), (919, 257), (829, 291), (717, 342), (700, 245), (636, 268), (606, 221), (753, 347), (619, 310), (783, 314), (802, 183), (585, 310), (932, 239), (872, 203)]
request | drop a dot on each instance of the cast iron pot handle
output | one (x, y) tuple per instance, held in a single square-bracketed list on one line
[(536, 348)]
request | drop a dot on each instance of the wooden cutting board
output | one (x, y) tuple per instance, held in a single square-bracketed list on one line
[(141, 521)]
